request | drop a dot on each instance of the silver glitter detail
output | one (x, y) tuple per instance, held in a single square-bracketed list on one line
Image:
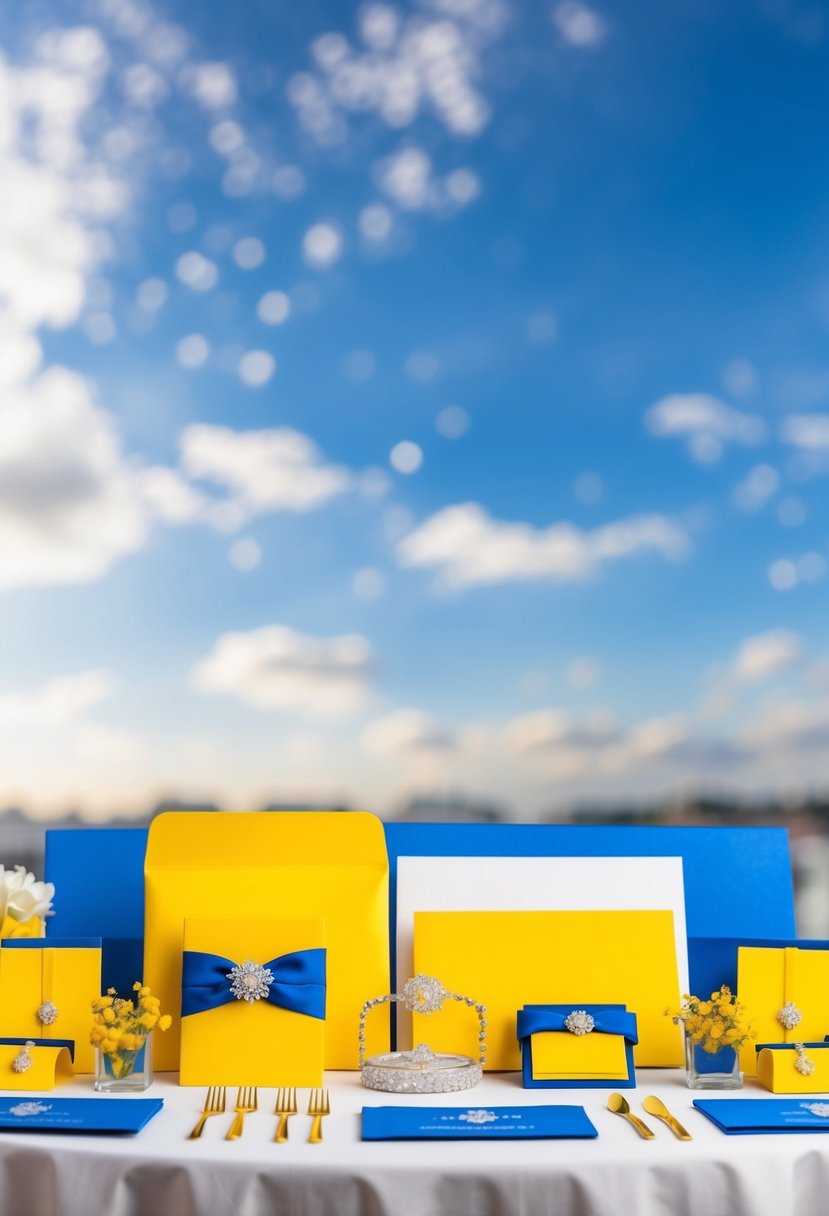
[(397, 1073), (250, 981), (22, 1062), (803, 1064), (47, 1013), (789, 1016), (423, 994)]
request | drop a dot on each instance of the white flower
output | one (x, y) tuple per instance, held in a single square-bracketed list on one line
[(22, 897)]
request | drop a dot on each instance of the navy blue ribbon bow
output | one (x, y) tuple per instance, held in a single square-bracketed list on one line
[(298, 982)]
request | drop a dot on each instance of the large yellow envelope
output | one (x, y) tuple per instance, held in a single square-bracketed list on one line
[(510, 959), (560, 1056), (253, 1043), (324, 865), (68, 976), (766, 979)]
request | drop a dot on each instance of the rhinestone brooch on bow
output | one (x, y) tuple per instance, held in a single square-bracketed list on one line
[(250, 981), (579, 1022)]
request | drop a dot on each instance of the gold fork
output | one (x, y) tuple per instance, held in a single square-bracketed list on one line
[(214, 1104), (247, 1101), (319, 1107), (285, 1107)]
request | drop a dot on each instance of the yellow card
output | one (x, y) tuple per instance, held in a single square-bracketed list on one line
[(767, 978), (777, 1073), (51, 1066), (254, 1043), (322, 865), (510, 959), (558, 1055), (69, 976)]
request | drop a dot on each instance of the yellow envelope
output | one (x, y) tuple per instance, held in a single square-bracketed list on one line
[(777, 1073), (69, 976), (767, 978), (51, 1066), (322, 865), (256, 1043), (560, 1056), (510, 959)]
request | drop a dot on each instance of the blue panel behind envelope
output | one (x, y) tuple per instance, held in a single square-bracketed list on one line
[(99, 891)]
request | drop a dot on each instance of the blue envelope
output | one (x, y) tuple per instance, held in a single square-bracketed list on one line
[(765, 1116), (85, 1116), (609, 1019), (477, 1123), (99, 892)]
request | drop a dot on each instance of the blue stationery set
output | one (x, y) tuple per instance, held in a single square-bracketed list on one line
[(595, 1046), (84, 1116), (765, 1116), (477, 1123)]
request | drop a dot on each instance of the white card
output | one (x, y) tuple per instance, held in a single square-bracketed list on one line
[(534, 884)]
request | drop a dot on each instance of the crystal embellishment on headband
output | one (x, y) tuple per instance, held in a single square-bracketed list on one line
[(579, 1022), (789, 1016)]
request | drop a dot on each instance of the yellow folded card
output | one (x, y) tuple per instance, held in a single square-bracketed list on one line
[(330, 866), (36, 971), (258, 1042), (767, 979), (578, 1057), (510, 959), (51, 1066), (776, 1069)]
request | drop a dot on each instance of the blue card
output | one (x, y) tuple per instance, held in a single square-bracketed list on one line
[(477, 1123), (765, 1116), (84, 1116)]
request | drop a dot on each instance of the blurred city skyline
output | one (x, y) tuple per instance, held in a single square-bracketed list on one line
[(412, 400)]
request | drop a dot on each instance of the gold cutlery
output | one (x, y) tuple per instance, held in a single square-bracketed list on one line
[(656, 1107), (214, 1104), (617, 1104), (285, 1107), (247, 1101), (319, 1107)]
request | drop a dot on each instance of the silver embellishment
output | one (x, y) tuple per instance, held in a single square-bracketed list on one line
[(803, 1064), (789, 1016), (22, 1062), (24, 1109), (423, 994), (478, 1116), (579, 1022), (250, 981), (47, 1013)]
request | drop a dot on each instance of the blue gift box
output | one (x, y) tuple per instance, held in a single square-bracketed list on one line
[(608, 1019)]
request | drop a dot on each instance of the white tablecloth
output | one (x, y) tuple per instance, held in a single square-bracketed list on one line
[(160, 1173)]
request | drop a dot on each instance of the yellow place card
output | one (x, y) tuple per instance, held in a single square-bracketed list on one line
[(510, 959), (560, 1056), (51, 1066)]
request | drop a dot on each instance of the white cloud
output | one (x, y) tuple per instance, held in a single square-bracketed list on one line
[(407, 178), (249, 253), (192, 350), (376, 222), (782, 574), (256, 368), (322, 245), (469, 548), (406, 732), (808, 431), (171, 498), (552, 729), (245, 554), (583, 672), (579, 25), (265, 471), (214, 85), (368, 583), (406, 457), (759, 484), (276, 668), (452, 422), (765, 655), (58, 702), (196, 271), (706, 422), (69, 501), (273, 308)]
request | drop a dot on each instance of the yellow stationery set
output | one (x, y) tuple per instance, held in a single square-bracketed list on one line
[(253, 1002), (47, 986), (511, 959), (577, 1045), (786, 1069), (323, 866), (785, 992), (38, 1064)]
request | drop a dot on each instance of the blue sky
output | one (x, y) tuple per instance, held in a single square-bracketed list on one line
[(412, 398)]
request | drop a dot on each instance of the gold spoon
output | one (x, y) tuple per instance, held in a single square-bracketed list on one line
[(656, 1107), (617, 1104)]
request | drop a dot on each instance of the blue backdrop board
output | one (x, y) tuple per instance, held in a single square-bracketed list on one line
[(99, 892), (738, 881)]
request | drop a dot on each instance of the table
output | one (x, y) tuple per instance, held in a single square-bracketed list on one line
[(160, 1173)]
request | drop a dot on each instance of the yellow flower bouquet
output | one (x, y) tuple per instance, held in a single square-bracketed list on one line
[(121, 1031), (716, 1028)]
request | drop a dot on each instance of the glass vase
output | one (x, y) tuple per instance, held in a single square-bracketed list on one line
[(127, 1072), (706, 1071)]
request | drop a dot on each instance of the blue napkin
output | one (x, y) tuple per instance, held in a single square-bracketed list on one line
[(476, 1123), (762, 1116), (91, 1116)]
